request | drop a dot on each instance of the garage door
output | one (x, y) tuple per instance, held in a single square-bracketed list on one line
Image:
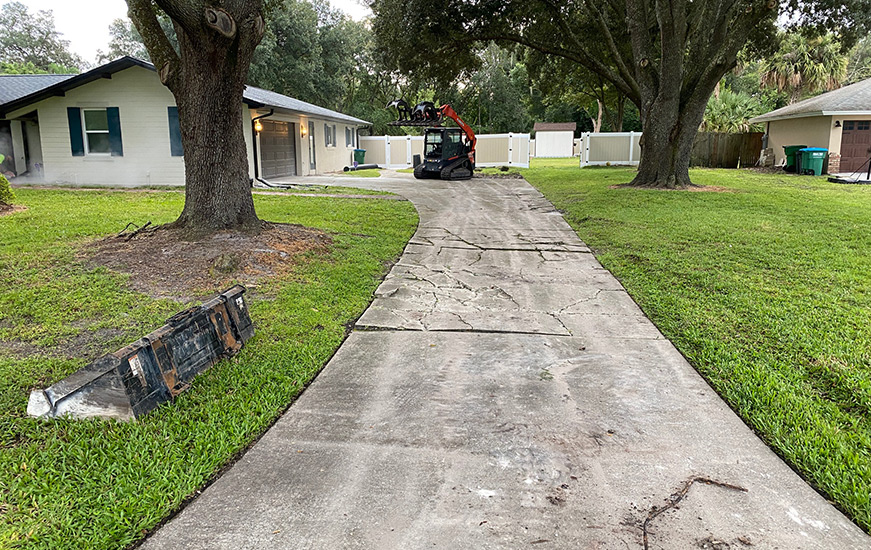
[(277, 149), (855, 144)]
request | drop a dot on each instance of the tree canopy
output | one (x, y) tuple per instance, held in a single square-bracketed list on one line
[(666, 57), (29, 42)]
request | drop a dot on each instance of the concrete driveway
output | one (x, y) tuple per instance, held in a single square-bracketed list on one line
[(504, 391)]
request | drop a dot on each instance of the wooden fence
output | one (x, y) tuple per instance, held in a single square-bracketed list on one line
[(718, 150)]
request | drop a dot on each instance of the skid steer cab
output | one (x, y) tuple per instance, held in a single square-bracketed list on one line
[(448, 153)]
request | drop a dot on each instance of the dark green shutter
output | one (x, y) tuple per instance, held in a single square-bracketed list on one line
[(114, 119), (77, 140), (175, 146)]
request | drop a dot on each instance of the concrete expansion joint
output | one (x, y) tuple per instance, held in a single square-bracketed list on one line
[(377, 328)]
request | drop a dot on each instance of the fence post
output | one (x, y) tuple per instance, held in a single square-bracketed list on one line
[(631, 145), (408, 151), (387, 151), (510, 145)]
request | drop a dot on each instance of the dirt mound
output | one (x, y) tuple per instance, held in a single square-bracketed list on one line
[(10, 208), (162, 264)]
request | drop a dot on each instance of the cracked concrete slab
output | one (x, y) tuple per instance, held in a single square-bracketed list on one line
[(500, 398)]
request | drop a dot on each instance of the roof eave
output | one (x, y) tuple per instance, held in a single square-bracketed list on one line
[(771, 118), (351, 120)]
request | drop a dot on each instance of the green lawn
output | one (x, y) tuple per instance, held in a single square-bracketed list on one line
[(101, 484), (368, 173), (767, 292)]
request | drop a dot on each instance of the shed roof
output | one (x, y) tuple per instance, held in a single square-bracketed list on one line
[(854, 99), (14, 86), (42, 88), (554, 127)]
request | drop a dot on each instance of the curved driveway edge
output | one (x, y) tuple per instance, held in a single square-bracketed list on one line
[(503, 391)]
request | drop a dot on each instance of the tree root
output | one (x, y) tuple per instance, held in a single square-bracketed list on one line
[(675, 498)]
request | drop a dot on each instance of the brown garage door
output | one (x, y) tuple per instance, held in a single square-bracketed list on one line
[(855, 144), (277, 149)]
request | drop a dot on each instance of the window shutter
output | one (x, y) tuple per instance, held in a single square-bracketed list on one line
[(114, 118), (175, 147), (77, 140)]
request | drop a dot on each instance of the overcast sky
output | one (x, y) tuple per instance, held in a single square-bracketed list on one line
[(86, 24)]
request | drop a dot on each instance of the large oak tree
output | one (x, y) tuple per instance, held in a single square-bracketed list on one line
[(666, 56), (207, 76)]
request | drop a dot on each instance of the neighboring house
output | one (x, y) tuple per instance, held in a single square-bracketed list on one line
[(117, 124), (839, 121), (554, 139)]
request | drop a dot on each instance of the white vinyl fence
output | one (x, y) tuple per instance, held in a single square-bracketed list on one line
[(610, 148), (491, 150)]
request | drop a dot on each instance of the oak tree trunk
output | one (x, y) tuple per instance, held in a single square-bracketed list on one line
[(207, 75)]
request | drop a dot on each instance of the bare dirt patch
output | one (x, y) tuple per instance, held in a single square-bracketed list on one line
[(6, 209), (162, 264)]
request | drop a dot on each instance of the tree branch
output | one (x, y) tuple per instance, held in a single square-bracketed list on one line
[(164, 57)]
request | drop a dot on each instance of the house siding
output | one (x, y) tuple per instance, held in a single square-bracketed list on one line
[(142, 102), (811, 131)]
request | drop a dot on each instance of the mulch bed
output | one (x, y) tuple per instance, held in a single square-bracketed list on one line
[(162, 264)]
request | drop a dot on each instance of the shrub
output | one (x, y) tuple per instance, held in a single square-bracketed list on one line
[(6, 194)]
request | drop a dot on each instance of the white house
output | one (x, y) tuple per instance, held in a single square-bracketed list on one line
[(554, 139), (117, 124)]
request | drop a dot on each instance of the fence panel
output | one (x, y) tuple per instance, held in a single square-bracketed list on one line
[(610, 148), (720, 150), (492, 150)]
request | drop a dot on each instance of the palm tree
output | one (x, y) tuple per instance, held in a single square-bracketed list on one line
[(731, 112), (804, 66)]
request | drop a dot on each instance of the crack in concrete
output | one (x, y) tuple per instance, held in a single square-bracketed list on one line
[(675, 498), (377, 328)]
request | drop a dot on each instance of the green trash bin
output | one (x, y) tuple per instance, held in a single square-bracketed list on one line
[(812, 160), (790, 151), (359, 156)]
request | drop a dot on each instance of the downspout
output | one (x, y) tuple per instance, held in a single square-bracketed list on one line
[(254, 145)]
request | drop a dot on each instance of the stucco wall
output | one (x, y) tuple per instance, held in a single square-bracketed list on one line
[(811, 131)]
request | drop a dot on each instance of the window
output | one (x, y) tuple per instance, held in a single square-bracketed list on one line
[(95, 131), (330, 135), (95, 123), (433, 145), (350, 136)]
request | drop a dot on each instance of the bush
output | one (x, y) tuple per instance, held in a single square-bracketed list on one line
[(6, 194)]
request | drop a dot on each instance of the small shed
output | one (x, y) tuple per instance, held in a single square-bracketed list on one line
[(554, 139), (839, 121)]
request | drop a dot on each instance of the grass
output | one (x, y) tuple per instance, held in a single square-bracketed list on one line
[(367, 173), (767, 292), (102, 484)]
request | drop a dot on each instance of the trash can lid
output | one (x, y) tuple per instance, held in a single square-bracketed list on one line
[(810, 149), (361, 150)]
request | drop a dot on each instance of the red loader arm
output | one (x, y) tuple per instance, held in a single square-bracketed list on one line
[(448, 111)]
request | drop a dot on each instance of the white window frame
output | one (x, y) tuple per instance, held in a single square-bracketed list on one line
[(85, 132), (330, 135)]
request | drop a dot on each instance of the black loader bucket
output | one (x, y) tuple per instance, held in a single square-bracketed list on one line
[(137, 378)]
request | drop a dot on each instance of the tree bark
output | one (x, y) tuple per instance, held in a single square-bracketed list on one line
[(207, 77)]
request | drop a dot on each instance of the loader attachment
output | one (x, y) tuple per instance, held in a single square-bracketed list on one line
[(155, 369)]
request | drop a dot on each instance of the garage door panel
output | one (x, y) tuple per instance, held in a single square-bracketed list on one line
[(278, 149), (855, 144)]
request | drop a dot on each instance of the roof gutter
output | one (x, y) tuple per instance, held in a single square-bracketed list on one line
[(254, 145)]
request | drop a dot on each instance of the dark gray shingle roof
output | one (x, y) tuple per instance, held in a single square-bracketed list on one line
[(853, 99), (273, 99), (14, 86)]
